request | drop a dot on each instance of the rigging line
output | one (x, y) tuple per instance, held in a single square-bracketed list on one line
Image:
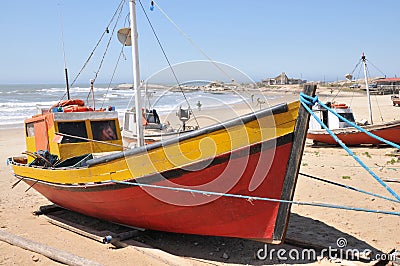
[(376, 98), (352, 97), (349, 187), (192, 42), (379, 108), (62, 37), (369, 62), (64, 56), (98, 43), (231, 79), (113, 74), (339, 91), (252, 198), (105, 51), (359, 71), (352, 72), (166, 58), (108, 44), (116, 66)]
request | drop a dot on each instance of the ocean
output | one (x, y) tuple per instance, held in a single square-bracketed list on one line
[(18, 102)]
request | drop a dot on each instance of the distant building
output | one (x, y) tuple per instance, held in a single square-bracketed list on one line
[(388, 81), (388, 85), (282, 79)]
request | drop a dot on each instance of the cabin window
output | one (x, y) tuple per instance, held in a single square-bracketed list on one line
[(104, 130), (127, 119), (348, 116), (75, 129), (30, 129)]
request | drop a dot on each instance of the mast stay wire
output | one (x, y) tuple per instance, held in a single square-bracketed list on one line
[(358, 75), (376, 99), (62, 37), (108, 43), (99, 41), (63, 49), (191, 41), (105, 52), (94, 49), (369, 75), (359, 62), (115, 68), (113, 74), (169, 63), (351, 73), (376, 68)]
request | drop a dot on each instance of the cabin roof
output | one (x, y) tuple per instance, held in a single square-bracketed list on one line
[(61, 116), (76, 116)]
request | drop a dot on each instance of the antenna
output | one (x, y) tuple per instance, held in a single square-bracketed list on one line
[(63, 48)]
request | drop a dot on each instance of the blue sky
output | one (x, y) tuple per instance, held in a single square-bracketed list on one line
[(309, 39)]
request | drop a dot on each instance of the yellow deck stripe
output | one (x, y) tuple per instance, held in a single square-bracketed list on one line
[(175, 155)]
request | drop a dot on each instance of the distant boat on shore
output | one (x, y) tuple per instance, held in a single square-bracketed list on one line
[(347, 134), (395, 100)]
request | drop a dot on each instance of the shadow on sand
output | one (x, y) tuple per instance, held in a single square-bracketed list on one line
[(307, 240)]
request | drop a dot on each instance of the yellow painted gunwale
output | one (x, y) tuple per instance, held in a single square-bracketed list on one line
[(172, 156)]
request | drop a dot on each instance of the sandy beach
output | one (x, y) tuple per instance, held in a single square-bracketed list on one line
[(319, 227)]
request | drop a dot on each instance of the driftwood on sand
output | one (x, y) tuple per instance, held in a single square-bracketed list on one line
[(52, 253)]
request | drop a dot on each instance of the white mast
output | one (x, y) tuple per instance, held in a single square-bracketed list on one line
[(366, 86), (136, 73)]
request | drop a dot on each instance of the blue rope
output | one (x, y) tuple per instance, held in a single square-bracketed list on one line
[(250, 198), (306, 101), (349, 187)]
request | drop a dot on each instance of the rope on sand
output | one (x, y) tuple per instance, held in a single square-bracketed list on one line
[(349, 187)]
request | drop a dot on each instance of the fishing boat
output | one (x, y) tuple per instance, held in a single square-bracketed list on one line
[(395, 97), (395, 100), (347, 134), (235, 178)]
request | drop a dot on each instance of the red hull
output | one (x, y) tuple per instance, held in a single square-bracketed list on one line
[(355, 137), (223, 216)]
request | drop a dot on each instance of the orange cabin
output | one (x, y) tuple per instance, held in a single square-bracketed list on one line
[(70, 134)]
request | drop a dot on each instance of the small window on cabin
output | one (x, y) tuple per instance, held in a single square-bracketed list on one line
[(348, 116), (104, 130), (74, 129), (30, 129), (126, 121)]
